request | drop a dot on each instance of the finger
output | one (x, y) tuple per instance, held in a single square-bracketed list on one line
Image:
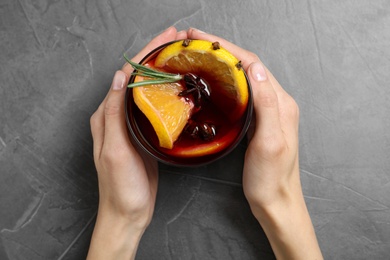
[(265, 101), (278, 88), (115, 132), (288, 108), (245, 56), (166, 36), (289, 119), (181, 35)]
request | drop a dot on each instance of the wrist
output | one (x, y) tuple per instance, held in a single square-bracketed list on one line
[(275, 205), (131, 215), (289, 229), (115, 238), (279, 216)]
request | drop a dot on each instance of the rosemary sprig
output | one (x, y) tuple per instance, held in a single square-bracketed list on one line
[(155, 76)]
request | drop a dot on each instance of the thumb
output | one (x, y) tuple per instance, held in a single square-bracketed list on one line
[(115, 127), (265, 102)]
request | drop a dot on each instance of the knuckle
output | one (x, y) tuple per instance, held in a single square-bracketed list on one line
[(274, 147), (114, 155), (267, 99), (271, 147), (253, 56), (112, 109)]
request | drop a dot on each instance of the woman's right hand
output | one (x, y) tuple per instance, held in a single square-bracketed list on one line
[(127, 176), (271, 179)]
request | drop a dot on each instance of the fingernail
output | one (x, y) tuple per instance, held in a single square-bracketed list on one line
[(119, 80), (258, 72)]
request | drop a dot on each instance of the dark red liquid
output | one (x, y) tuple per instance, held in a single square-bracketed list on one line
[(219, 111)]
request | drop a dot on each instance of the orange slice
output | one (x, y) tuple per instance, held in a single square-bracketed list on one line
[(205, 148), (167, 112), (216, 64)]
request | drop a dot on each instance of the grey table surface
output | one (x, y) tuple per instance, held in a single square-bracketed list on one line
[(57, 61)]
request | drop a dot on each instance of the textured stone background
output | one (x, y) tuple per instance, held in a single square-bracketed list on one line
[(57, 62)]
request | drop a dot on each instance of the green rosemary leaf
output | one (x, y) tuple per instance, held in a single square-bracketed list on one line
[(146, 71), (154, 74), (150, 82)]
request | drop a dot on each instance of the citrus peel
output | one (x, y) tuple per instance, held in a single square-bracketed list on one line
[(165, 110)]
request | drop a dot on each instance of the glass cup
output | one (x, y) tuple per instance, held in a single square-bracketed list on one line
[(145, 137)]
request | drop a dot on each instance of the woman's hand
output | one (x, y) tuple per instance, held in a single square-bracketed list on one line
[(127, 178), (271, 170)]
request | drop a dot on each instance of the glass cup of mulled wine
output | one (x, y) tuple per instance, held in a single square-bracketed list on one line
[(211, 132)]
